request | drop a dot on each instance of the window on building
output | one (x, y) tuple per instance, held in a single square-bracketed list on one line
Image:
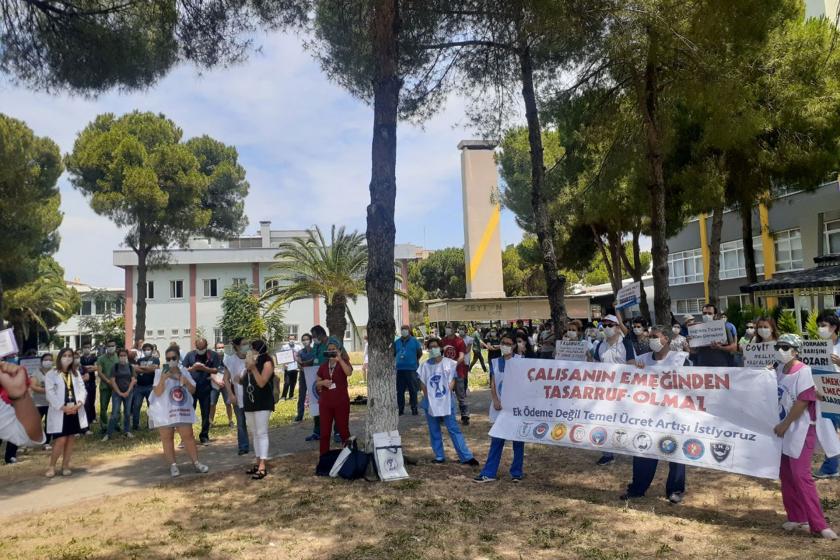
[(217, 335), (119, 306), (291, 330), (87, 307), (788, 250), (187, 332), (176, 289), (685, 267), (150, 290), (725, 301), (160, 332), (732, 261), (174, 332), (150, 333), (100, 305), (272, 284), (240, 282), (348, 334), (682, 306), (211, 287), (832, 237)]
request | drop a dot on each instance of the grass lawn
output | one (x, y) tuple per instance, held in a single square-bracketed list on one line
[(565, 508)]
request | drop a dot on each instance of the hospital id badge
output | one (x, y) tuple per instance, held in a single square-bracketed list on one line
[(332, 385)]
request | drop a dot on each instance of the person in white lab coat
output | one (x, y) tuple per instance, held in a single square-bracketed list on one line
[(66, 418)]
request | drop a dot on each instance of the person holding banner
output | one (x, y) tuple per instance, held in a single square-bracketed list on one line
[(644, 468), (497, 445), (828, 325), (437, 380), (799, 410), (66, 418), (614, 349), (716, 354), (171, 410), (335, 398)]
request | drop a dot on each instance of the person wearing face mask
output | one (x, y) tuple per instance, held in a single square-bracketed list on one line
[(319, 349), (202, 364), (258, 392), (614, 349), (334, 399), (547, 342), (491, 344), (678, 343), (88, 372), (800, 430), (454, 349), (408, 351), (644, 468), (477, 346), (522, 346), (290, 370), (716, 354), (469, 344), (171, 410), (305, 358), (146, 366), (437, 378), (749, 333), (765, 330), (498, 379), (217, 388), (123, 380), (638, 336), (66, 419), (39, 392), (828, 328), (104, 369), (234, 362)]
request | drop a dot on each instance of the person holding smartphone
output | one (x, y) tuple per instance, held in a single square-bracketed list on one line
[(171, 410), (335, 398), (258, 383)]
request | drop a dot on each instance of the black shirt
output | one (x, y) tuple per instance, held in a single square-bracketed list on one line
[(493, 341), (256, 397), (147, 379), (89, 360)]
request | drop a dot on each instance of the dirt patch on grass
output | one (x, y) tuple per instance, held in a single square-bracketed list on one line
[(565, 508)]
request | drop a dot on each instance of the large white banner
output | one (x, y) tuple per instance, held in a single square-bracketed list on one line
[(311, 374), (718, 418)]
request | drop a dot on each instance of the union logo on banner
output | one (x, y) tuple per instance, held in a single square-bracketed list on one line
[(693, 449)]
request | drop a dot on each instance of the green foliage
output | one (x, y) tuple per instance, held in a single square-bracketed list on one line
[(521, 278), (241, 314), (29, 202), (107, 326), (42, 304), (811, 325), (442, 275), (275, 328), (787, 322)]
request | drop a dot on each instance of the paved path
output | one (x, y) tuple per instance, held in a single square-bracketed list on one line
[(148, 471)]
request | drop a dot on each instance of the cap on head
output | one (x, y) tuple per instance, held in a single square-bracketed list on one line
[(611, 318), (790, 338)]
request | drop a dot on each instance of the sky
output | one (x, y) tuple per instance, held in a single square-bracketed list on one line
[(303, 141)]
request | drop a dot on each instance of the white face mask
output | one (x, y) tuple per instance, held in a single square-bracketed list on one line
[(434, 352), (655, 344), (707, 318), (571, 335), (676, 330), (123, 360), (404, 333), (825, 332), (506, 349), (638, 330), (448, 331), (66, 361), (147, 353), (784, 356), (750, 331), (764, 333), (47, 364), (173, 364), (245, 348), (609, 332)]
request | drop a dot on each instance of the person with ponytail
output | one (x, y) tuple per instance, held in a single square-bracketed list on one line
[(66, 418), (258, 383)]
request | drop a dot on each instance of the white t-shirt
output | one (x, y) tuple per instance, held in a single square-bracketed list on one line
[(836, 351), (468, 341), (175, 405), (617, 353), (791, 385), (437, 377), (236, 367), (11, 429), (40, 399), (671, 359), (497, 369), (677, 343)]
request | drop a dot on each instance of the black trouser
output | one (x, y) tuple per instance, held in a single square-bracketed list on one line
[(90, 400), (478, 357), (11, 451), (644, 469), (301, 404), (405, 381), (289, 382), (202, 397)]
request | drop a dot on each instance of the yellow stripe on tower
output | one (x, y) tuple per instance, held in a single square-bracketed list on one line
[(475, 260)]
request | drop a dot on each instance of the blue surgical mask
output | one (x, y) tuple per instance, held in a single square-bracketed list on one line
[(434, 352)]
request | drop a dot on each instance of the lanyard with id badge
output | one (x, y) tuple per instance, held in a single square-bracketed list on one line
[(331, 370)]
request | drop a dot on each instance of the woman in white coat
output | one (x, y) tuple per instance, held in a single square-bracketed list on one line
[(171, 408), (66, 418)]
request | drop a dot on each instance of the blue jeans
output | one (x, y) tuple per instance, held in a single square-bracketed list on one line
[(241, 429), (140, 392), (831, 465), (455, 434), (644, 469), (116, 402), (494, 457), (216, 393)]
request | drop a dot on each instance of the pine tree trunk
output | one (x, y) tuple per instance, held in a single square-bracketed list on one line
[(337, 316), (749, 252), (555, 282), (380, 278), (140, 315), (649, 105), (2, 309), (635, 269), (615, 250), (714, 256)]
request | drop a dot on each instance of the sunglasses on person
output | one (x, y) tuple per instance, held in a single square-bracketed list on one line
[(782, 346)]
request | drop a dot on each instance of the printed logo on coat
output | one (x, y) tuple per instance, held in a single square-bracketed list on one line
[(598, 436), (559, 431), (720, 451), (642, 441), (525, 429), (578, 433), (540, 430), (177, 395), (621, 439), (693, 449), (668, 445)]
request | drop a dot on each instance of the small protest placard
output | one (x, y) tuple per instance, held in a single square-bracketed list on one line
[(8, 344), (574, 350), (759, 355), (629, 295), (704, 334), (286, 357)]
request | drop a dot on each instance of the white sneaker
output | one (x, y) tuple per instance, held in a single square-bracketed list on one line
[(173, 470), (129, 435), (201, 467), (48, 447), (793, 526), (828, 534), (106, 438), (181, 445)]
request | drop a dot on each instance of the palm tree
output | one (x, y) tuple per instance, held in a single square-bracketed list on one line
[(313, 267)]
